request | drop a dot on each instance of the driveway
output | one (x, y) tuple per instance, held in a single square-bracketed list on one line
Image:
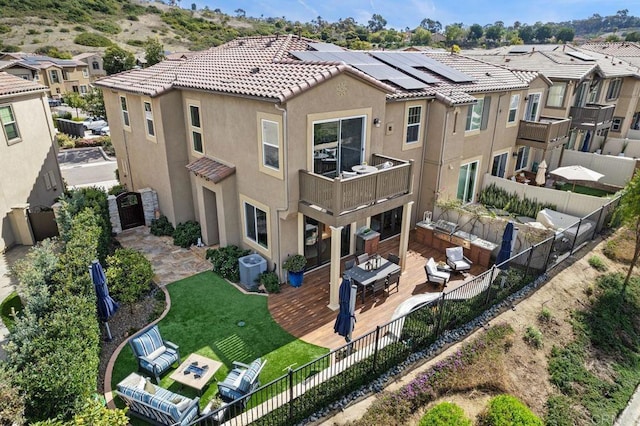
[(83, 167)]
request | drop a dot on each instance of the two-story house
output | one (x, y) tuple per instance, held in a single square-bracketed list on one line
[(95, 64), (283, 145), (598, 92), (59, 75), (29, 169)]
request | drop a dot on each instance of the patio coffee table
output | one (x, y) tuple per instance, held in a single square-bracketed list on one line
[(196, 371)]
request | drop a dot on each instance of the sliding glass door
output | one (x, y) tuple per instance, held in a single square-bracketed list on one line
[(338, 145)]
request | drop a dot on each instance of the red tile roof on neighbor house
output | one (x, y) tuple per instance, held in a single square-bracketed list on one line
[(210, 169), (10, 84), (263, 67)]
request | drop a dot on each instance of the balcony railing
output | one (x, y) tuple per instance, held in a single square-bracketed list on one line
[(546, 133), (341, 195), (591, 116)]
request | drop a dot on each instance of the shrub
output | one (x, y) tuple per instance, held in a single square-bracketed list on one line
[(270, 281), (94, 413), (32, 31), (4, 29), (533, 337), (132, 18), (295, 263), (117, 189), (79, 28), (11, 401), (10, 48), (91, 39), (560, 412), (500, 198), (597, 263), (64, 30), (106, 27), (161, 226), (445, 414), (65, 141), (225, 261), (136, 43), (186, 234), (129, 275), (10, 305), (545, 315), (506, 410)]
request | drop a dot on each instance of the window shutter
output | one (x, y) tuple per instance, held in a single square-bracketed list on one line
[(485, 112)]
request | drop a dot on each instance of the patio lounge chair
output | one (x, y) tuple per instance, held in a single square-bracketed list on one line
[(154, 355), (457, 260), (433, 275), (241, 381)]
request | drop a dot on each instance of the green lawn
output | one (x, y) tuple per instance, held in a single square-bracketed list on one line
[(579, 189), (204, 316), (12, 301)]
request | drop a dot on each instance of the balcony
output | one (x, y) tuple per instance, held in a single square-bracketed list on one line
[(591, 117), (341, 201), (545, 134)]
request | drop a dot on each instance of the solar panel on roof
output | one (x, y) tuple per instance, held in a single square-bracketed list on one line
[(408, 83), (520, 49), (326, 47), (405, 67), (581, 56), (420, 60)]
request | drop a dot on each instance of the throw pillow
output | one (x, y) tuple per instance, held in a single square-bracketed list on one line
[(176, 400), (183, 405), (155, 354), (141, 383), (149, 388)]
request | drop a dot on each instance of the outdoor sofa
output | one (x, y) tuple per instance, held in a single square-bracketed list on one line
[(154, 404)]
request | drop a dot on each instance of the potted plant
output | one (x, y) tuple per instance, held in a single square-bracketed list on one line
[(295, 268)]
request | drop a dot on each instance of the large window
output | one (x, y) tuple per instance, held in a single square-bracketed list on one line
[(499, 165), (467, 182), (148, 116), (414, 115), (513, 109), (125, 111), (9, 124), (533, 106), (196, 128), (614, 89), (523, 157), (556, 94), (270, 144), (474, 116), (338, 145), (256, 225), (53, 75)]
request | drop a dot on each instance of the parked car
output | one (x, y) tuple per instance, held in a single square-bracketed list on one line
[(103, 131), (93, 123), (54, 102)]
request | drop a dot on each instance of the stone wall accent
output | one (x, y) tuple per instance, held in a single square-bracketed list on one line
[(149, 204), (114, 214)]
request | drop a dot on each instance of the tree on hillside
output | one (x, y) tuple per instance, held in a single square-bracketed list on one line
[(526, 33), (565, 35), (632, 36), (454, 33), (117, 59), (153, 52), (74, 100), (629, 214), (376, 23), (543, 33), (420, 37), (475, 32), (494, 33), (431, 25)]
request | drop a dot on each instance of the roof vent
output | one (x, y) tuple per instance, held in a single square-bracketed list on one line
[(255, 70), (241, 43), (488, 74)]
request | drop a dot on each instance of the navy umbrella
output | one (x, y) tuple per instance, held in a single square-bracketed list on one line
[(107, 307), (507, 244), (346, 318)]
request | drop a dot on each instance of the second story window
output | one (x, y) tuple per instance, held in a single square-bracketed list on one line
[(9, 124), (414, 115), (614, 89), (196, 128), (523, 158), (95, 65), (148, 117), (556, 94), (65, 75), (53, 75), (125, 111), (270, 144), (513, 109), (474, 116), (85, 73)]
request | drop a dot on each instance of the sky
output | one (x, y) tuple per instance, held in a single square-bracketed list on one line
[(409, 13)]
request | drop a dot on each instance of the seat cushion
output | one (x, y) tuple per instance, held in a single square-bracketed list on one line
[(134, 393), (431, 266), (162, 362), (455, 254), (461, 265)]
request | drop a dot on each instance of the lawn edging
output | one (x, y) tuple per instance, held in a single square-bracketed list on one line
[(108, 392)]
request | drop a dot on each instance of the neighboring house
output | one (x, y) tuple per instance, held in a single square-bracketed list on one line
[(599, 93), (94, 63), (19, 69), (261, 140), (59, 75), (29, 169)]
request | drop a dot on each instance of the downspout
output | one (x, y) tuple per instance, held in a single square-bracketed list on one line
[(285, 143), (444, 136), (424, 154)]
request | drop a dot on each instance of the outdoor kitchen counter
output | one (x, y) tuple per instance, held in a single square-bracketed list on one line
[(475, 248)]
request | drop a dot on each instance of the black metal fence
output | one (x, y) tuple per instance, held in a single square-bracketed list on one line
[(304, 391)]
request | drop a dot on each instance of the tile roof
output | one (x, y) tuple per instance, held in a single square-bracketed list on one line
[(42, 61), (10, 85), (262, 67), (210, 169), (15, 62), (629, 52)]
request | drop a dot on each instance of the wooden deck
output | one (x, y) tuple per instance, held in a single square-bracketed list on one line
[(303, 311)]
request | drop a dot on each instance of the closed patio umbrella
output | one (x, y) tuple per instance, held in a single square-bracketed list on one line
[(540, 175), (346, 319), (507, 244), (106, 306)]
